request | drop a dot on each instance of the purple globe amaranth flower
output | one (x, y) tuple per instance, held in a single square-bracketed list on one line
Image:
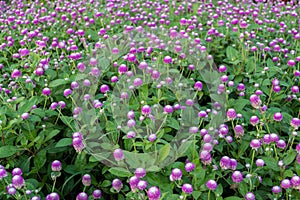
[(276, 88), (237, 177), (222, 68), (153, 193), (274, 137), (18, 181), (143, 65), (114, 79), (202, 114), (95, 72), (146, 110), (223, 131), (142, 184), (260, 162), (295, 181), (176, 174), (295, 123), (295, 89), (168, 109), (277, 116), (86, 180), (97, 194), (233, 164), (133, 181), (25, 116), (155, 74), (130, 114), (298, 148), (152, 137), (78, 144), (189, 166), (56, 166), (35, 198), (255, 143), (225, 162), (276, 189), (131, 123), (82, 196), (187, 188), (193, 129), (198, 85), (255, 101), (207, 146), (254, 120), (118, 154), (211, 184), (122, 69), (207, 138), (231, 114), (131, 134), (53, 105), (3, 173), (81, 67), (140, 172), (167, 59), (10, 189), (239, 131), (137, 82), (205, 157), (281, 144), (67, 92), (117, 184), (291, 63), (249, 196), (104, 88), (285, 183), (93, 61), (16, 73), (46, 91)]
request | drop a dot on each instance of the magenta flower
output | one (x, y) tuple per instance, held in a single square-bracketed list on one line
[(211, 184), (153, 193), (118, 154), (187, 188)]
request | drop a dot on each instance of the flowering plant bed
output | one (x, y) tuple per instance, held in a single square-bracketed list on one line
[(149, 99)]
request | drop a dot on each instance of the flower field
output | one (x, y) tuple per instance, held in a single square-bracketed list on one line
[(149, 100)]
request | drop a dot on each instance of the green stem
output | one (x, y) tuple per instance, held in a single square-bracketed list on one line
[(53, 187), (252, 160)]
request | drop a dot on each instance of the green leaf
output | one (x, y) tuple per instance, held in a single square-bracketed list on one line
[(58, 82), (25, 106), (233, 198), (289, 158), (119, 172), (64, 142), (40, 112), (196, 194), (7, 151), (232, 54), (242, 148), (40, 159), (288, 173), (271, 163), (51, 134), (240, 104), (173, 123), (250, 65), (164, 152), (219, 190), (106, 183), (243, 188)]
